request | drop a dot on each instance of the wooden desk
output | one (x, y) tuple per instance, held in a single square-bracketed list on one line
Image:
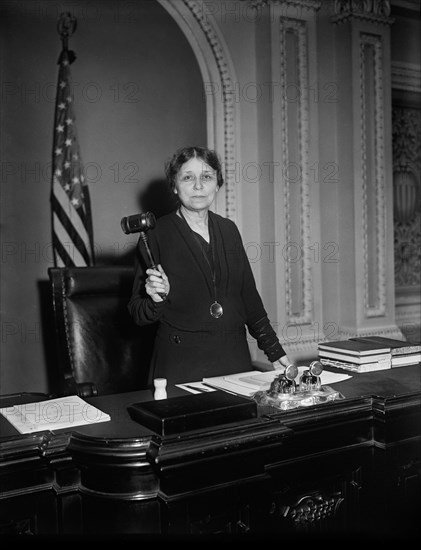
[(346, 468)]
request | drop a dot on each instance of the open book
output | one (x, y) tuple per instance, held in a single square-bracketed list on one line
[(53, 414)]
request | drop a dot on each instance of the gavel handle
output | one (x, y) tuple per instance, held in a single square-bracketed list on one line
[(144, 238), (152, 263)]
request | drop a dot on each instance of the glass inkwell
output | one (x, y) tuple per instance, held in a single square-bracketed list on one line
[(285, 393), (310, 378), (284, 383)]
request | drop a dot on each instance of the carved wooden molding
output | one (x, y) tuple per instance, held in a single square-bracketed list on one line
[(300, 31), (313, 509), (377, 122), (114, 468)]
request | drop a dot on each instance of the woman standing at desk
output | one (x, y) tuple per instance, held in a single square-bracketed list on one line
[(210, 295)]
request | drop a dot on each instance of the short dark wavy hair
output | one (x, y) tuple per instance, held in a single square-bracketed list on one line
[(181, 156)]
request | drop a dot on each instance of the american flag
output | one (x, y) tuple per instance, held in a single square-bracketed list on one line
[(70, 201)]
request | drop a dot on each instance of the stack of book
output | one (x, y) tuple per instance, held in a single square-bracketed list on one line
[(355, 356), (403, 353)]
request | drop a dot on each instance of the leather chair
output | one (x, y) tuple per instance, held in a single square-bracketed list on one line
[(100, 349)]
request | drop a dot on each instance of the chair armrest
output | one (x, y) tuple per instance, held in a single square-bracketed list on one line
[(82, 389)]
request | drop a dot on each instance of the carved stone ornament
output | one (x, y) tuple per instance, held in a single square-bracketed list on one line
[(405, 195), (406, 139), (376, 11), (303, 4)]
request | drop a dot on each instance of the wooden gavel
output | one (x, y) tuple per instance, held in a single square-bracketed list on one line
[(141, 223)]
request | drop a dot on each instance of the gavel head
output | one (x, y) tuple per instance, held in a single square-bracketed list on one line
[(138, 223)]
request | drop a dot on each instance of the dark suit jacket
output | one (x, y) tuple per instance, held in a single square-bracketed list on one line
[(190, 343)]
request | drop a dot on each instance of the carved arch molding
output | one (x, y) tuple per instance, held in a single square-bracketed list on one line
[(195, 19)]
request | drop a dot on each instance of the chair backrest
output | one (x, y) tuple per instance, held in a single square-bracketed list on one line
[(100, 349)]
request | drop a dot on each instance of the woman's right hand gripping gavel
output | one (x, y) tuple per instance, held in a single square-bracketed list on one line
[(157, 285)]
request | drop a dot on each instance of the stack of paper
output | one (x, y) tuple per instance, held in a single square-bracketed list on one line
[(53, 414), (248, 383)]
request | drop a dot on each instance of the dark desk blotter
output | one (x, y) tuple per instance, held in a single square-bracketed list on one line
[(192, 412)]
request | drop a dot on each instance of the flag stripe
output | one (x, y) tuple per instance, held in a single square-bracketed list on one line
[(69, 243), (62, 257), (88, 219), (62, 229), (70, 217)]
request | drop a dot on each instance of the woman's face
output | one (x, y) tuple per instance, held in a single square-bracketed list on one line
[(196, 185)]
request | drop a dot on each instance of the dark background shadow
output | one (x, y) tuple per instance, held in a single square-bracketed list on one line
[(156, 198)]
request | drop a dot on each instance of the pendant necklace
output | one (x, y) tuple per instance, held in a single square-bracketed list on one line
[(215, 309)]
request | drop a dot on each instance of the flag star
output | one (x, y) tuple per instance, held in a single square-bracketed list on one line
[(58, 151), (69, 99), (69, 121), (67, 187), (75, 179), (62, 106), (67, 164), (62, 84), (75, 202), (65, 62), (60, 128), (58, 172), (68, 142), (75, 156)]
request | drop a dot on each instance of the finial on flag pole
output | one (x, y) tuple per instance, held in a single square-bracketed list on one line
[(66, 26)]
